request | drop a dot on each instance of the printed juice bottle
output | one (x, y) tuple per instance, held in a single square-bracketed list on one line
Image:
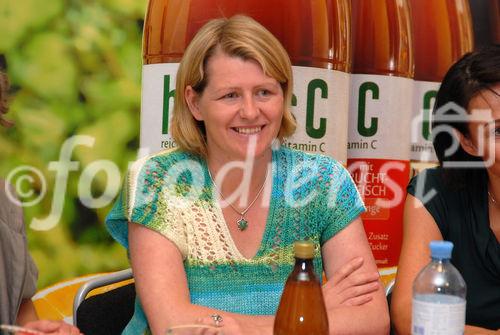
[(315, 33), (379, 121), (495, 20), (442, 33)]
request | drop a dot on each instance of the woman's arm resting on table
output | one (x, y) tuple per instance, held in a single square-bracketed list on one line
[(26, 313), (161, 283), (28, 318), (419, 228), (350, 287), (472, 330), (371, 317), (49, 327)]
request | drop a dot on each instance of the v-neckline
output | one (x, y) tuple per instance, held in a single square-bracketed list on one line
[(225, 229), (486, 228)]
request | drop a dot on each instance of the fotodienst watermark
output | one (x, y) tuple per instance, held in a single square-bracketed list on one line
[(298, 176)]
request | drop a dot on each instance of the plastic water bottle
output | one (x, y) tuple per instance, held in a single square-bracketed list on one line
[(439, 295)]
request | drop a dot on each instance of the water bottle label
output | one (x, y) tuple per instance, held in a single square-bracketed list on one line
[(446, 317)]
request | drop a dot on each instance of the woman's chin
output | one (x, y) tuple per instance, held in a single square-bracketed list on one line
[(257, 154)]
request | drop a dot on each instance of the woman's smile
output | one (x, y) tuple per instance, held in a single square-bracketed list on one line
[(248, 130)]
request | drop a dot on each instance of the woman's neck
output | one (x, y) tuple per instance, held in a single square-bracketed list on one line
[(494, 188), (245, 176), (494, 203)]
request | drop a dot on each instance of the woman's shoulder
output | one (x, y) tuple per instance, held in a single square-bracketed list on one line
[(5, 188), (322, 162), (428, 179), (324, 172), (443, 195), (448, 182), (162, 160), (173, 170), (171, 162), (10, 212)]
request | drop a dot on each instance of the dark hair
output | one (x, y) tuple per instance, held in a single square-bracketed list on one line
[(474, 72), (4, 90)]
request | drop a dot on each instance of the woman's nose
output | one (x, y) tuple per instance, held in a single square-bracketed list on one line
[(249, 109)]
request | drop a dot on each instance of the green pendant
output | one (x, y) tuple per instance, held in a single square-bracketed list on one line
[(242, 224)]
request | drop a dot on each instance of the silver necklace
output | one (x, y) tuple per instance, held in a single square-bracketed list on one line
[(242, 222), (492, 198)]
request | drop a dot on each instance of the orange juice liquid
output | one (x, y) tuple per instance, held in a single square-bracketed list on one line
[(442, 31), (379, 121), (316, 35), (302, 308), (495, 20)]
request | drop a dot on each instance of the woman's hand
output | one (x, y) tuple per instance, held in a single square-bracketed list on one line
[(349, 288), (230, 326), (472, 330), (51, 328)]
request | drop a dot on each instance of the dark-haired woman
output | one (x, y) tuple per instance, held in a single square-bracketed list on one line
[(459, 201)]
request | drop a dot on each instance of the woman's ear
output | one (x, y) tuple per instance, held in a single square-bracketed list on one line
[(466, 144), (191, 98)]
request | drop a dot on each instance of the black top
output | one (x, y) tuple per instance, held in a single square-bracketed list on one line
[(461, 214)]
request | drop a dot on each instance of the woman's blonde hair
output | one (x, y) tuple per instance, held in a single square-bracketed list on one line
[(238, 36)]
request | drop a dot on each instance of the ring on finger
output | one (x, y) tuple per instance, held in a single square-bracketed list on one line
[(217, 319)]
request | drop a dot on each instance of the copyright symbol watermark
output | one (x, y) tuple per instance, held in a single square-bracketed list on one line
[(20, 176)]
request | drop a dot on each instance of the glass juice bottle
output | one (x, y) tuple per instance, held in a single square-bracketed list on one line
[(316, 35), (379, 121), (442, 33), (494, 6), (302, 309)]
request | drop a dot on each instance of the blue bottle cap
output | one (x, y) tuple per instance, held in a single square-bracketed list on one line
[(441, 249)]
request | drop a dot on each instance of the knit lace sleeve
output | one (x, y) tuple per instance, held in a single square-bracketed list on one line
[(145, 199), (340, 200)]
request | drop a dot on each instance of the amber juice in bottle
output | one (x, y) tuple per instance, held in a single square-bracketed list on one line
[(379, 121), (494, 6), (302, 309), (316, 35), (442, 33)]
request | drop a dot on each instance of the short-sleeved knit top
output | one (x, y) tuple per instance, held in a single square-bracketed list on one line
[(461, 214), (313, 197)]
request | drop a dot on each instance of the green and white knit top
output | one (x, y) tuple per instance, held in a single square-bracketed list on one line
[(313, 197)]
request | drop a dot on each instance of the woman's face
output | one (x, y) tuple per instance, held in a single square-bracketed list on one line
[(484, 128), (240, 104)]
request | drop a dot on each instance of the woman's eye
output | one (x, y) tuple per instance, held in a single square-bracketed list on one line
[(496, 131), (230, 95), (264, 93)]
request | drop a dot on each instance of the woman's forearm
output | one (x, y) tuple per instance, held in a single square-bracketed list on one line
[(364, 319), (26, 313), (469, 330), (191, 314), (473, 330)]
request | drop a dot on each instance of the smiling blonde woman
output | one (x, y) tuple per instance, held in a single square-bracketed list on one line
[(210, 226)]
